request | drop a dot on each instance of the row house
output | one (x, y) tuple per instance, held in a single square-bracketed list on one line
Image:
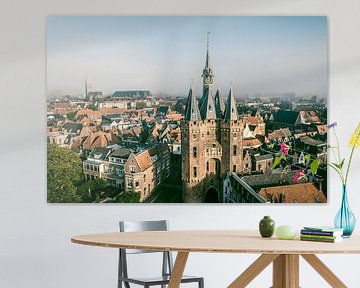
[(108, 164), (145, 170), (257, 163)]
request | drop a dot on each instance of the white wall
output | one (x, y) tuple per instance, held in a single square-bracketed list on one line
[(35, 248)]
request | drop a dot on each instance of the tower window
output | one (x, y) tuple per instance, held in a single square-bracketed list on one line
[(195, 171), (195, 152), (234, 150), (234, 168), (207, 166)]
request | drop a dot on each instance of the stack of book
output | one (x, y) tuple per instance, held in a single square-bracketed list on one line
[(321, 234)]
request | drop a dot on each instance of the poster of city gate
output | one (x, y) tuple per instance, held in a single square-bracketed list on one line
[(190, 109)]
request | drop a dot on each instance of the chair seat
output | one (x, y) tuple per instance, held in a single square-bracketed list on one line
[(158, 280)]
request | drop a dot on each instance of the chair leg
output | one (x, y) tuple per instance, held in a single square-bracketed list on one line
[(201, 283)]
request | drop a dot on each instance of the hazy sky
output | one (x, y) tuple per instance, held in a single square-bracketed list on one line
[(163, 54)]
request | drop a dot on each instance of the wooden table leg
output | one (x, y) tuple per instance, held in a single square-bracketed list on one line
[(286, 271), (178, 270), (324, 271), (253, 270)]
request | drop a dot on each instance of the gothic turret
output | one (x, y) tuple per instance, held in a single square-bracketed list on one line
[(219, 104), (192, 112), (207, 109), (230, 108)]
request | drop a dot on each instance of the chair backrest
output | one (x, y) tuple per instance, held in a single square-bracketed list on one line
[(137, 226)]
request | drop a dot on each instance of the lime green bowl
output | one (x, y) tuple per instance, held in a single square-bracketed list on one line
[(285, 232)]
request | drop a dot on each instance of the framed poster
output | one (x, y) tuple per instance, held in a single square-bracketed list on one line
[(187, 109)]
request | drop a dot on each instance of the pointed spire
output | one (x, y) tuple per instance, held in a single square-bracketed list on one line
[(192, 109), (207, 62), (207, 74), (207, 108), (231, 109), (219, 104)]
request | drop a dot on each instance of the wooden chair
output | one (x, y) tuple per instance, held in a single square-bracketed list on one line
[(167, 262)]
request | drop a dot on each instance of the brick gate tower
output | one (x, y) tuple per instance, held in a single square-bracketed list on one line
[(211, 141)]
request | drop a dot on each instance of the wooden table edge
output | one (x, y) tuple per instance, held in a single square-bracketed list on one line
[(203, 250)]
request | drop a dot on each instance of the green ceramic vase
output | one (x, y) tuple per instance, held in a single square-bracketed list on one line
[(267, 227)]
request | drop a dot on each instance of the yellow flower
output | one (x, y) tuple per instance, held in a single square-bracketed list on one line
[(355, 138)]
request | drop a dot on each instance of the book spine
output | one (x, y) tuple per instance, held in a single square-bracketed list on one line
[(320, 233), (317, 239), (319, 236)]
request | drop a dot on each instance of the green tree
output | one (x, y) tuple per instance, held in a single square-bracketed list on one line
[(71, 115), (91, 190), (63, 175), (128, 197), (93, 107), (140, 105)]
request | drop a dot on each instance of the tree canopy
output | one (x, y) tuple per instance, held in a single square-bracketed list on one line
[(63, 175)]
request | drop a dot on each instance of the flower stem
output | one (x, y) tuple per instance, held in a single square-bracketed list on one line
[(338, 146), (348, 166)]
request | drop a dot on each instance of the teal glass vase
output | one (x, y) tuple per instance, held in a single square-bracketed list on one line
[(345, 219)]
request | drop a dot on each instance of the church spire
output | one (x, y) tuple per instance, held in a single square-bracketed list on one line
[(219, 104), (231, 109), (207, 62), (192, 109), (207, 71)]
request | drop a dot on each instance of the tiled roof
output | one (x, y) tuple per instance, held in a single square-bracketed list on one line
[(109, 111), (121, 153), (89, 113), (145, 159), (280, 133), (98, 139), (100, 153), (253, 120), (289, 117), (132, 94), (309, 116), (322, 129), (71, 127), (296, 193), (312, 142), (255, 142)]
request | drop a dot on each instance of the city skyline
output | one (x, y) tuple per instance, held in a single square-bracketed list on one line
[(257, 55)]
